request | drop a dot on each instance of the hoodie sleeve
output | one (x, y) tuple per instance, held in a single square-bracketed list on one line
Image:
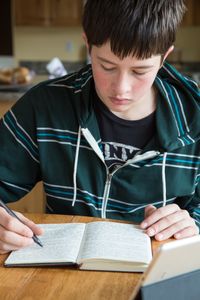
[(19, 154)]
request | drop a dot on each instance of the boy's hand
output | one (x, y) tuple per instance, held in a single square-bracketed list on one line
[(15, 235), (168, 221)]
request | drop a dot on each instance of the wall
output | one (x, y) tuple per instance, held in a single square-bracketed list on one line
[(34, 43), (67, 43), (189, 42)]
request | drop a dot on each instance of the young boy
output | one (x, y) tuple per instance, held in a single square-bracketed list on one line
[(120, 139)]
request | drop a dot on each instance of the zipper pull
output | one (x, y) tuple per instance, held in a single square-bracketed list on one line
[(146, 155)]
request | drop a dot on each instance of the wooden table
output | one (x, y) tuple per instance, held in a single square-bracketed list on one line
[(64, 282)]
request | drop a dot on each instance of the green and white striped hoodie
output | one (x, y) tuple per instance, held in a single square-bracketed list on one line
[(52, 134)]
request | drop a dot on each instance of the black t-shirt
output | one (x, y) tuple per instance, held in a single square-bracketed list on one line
[(121, 139)]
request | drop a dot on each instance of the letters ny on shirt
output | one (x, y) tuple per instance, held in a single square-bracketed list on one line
[(117, 153)]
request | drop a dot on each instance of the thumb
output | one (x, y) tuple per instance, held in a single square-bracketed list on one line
[(149, 210)]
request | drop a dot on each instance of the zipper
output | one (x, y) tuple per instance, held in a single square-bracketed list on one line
[(107, 189), (106, 193), (137, 158)]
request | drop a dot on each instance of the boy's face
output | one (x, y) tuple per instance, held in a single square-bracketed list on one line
[(124, 85)]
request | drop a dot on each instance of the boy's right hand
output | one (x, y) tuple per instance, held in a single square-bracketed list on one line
[(14, 234)]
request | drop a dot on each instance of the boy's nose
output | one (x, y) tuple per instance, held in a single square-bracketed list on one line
[(122, 85)]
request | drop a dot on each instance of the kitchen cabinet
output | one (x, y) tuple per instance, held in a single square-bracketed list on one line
[(65, 12), (35, 200), (192, 16), (47, 12), (32, 12), (196, 12)]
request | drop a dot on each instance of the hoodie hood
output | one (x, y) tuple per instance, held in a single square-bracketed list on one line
[(178, 109)]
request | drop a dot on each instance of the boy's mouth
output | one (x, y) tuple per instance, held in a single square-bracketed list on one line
[(119, 101)]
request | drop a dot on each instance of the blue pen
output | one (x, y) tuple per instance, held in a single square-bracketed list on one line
[(10, 212)]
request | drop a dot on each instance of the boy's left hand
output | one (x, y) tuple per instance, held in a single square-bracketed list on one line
[(168, 221)]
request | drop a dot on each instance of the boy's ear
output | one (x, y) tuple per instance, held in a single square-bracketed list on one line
[(85, 40), (164, 56), (168, 52)]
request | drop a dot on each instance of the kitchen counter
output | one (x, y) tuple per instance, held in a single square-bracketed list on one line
[(14, 95), (39, 67)]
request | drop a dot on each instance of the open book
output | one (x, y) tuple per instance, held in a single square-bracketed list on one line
[(108, 246)]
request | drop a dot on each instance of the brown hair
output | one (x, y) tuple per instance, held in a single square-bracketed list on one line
[(138, 27)]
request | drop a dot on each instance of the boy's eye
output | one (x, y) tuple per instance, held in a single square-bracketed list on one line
[(139, 73), (106, 68)]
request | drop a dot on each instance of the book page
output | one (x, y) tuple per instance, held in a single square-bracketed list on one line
[(61, 243), (115, 241)]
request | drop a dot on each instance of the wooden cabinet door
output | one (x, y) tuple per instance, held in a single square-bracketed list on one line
[(188, 17), (66, 12), (31, 12), (196, 12), (192, 15)]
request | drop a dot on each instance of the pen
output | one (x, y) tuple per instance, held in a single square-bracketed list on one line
[(10, 212)]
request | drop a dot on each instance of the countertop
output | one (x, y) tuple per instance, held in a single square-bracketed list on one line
[(13, 95), (39, 68)]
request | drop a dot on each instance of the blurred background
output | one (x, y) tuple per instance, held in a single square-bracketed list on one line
[(35, 31), (32, 32)]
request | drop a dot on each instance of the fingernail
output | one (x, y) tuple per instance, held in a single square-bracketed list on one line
[(159, 237), (151, 232), (177, 236), (144, 225)]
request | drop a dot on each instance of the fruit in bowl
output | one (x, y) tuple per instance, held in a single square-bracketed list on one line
[(15, 76)]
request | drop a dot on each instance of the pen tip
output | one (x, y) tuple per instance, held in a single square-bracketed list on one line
[(37, 241), (40, 244)]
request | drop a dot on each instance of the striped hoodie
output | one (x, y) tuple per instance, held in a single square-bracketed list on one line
[(51, 134)]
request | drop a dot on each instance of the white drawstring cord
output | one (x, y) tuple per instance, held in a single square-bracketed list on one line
[(75, 165), (164, 178)]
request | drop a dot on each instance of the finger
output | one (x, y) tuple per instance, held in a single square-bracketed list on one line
[(160, 213), (174, 229), (34, 227), (149, 210), (167, 221), (187, 232), (12, 224), (12, 241)]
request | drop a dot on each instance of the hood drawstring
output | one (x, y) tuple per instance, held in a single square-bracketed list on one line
[(75, 165), (164, 178)]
